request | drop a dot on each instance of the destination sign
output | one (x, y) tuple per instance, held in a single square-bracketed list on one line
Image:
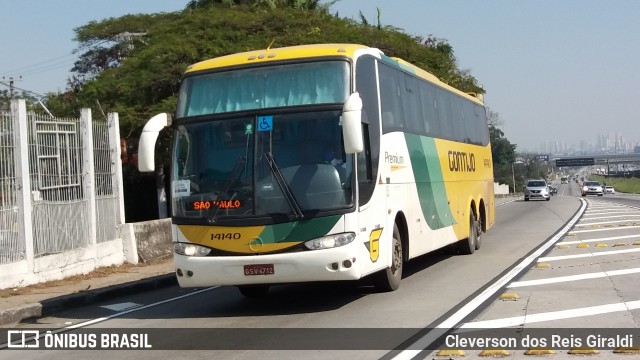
[(575, 162)]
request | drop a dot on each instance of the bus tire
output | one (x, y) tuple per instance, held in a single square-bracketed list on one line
[(253, 291), (478, 234), (389, 278), (469, 245)]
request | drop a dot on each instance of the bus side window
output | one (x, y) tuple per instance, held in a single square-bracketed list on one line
[(388, 120), (367, 160)]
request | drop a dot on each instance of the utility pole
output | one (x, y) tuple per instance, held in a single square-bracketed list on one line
[(513, 177), (10, 82)]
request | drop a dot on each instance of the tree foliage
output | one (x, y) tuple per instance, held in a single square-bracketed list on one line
[(133, 64), (503, 152)]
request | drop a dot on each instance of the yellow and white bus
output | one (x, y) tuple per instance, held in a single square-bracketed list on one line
[(320, 163)]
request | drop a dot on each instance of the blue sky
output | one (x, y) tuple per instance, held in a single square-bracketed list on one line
[(553, 69)]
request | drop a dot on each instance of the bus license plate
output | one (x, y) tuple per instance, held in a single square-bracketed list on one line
[(258, 269)]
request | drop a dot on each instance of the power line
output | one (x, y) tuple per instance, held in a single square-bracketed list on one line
[(47, 68), (44, 62), (13, 87), (56, 62), (37, 96), (9, 82)]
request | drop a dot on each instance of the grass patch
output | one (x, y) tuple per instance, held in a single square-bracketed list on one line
[(629, 185)]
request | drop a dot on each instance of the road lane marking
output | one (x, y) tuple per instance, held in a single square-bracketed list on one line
[(610, 217), (120, 306), (577, 256), (95, 321), (606, 222), (606, 229), (560, 279), (553, 315), (453, 320), (607, 211), (604, 207), (98, 320), (506, 202), (599, 239)]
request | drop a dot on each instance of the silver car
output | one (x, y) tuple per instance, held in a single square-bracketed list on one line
[(536, 189), (592, 188)]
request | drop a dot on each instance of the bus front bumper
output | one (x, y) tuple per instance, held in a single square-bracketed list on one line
[(339, 263)]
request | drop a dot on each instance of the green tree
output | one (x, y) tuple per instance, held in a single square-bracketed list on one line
[(133, 64), (503, 152), (31, 99), (503, 155), (533, 167), (310, 5)]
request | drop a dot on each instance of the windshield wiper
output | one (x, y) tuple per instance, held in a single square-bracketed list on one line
[(233, 177), (282, 183)]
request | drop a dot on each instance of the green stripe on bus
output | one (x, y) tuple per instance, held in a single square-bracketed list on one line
[(298, 231), (429, 181)]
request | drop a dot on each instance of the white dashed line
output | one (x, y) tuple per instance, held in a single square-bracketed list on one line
[(609, 217), (604, 222), (553, 315), (606, 229), (560, 279), (611, 238), (577, 256), (473, 304)]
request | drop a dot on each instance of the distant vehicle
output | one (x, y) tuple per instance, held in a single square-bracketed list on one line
[(592, 188), (609, 190), (564, 180), (536, 189), (553, 190)]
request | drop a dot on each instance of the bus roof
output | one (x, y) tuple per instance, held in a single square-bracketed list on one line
[(276, 54), (312, 51), (434, 79)]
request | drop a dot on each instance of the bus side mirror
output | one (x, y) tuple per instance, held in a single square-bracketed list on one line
[(352, 124), (147, 145)]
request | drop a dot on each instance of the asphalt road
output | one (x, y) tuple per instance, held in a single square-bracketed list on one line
[(438, 290)]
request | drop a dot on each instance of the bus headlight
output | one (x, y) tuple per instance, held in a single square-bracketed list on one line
[(190, 249), (330, 241)]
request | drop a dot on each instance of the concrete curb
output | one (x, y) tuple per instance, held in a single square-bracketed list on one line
[(50, 306)]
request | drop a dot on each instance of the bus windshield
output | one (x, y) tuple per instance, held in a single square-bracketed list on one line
[(264, 87), (257, 166)]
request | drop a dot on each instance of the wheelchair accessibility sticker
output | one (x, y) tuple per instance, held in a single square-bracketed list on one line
[(265, 123)]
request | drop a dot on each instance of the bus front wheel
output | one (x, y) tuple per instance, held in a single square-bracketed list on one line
[(389, 278)]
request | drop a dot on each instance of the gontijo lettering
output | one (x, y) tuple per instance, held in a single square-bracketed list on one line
[(462, 161)]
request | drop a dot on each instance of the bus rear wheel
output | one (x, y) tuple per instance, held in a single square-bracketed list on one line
[(389, 278), (469, 245), (253, 291)]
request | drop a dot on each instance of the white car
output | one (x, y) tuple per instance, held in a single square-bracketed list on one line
[(592, 188), (609, 190)]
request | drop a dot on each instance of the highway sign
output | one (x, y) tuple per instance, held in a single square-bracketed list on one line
[(575, 162)]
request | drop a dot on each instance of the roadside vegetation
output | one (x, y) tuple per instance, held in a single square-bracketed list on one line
[(623, 185), (133, 64)]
